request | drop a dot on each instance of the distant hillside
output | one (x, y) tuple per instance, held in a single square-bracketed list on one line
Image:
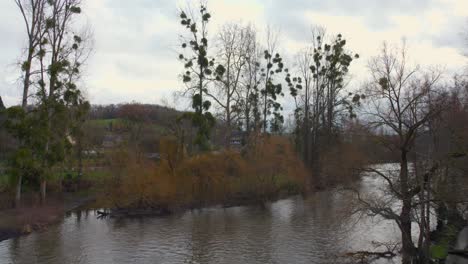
[(161, 115), (158, 121)]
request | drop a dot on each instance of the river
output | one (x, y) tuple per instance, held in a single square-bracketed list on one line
[(296, 230)]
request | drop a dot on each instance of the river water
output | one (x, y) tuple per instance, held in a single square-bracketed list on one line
[(461, 244), (296, 230)]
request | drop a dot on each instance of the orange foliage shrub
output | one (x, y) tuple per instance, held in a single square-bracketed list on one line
[(211, 175), (270, 169), (138, 182), (275, 162)]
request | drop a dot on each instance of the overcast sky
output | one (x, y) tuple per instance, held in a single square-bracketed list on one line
[(136, 41)]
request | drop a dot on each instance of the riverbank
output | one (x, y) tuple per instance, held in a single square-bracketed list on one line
[(25, 220), (206, 179), (165, 210), (139, 187)]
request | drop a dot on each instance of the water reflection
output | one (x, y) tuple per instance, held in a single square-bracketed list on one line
[(296, 230)]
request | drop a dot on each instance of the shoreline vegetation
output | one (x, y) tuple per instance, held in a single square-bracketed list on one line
[(138, 187), (132, 186), (21, 222), (272, 167), (139, 167)]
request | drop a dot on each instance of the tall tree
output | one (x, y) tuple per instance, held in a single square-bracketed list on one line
[(79, 108), (33, 15), (199, 66), (248, 100), (300, 89), (318, 89), (76, 103), (61, 44), (272, 66), (233, 41), (398, 96), (32, 12), (45, 130)]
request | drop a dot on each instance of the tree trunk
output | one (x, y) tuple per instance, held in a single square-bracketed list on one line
[(43, 188), (27, 77), (265, 113), (306, 131), (228, 122), (247, 121), (405, 216), (408, 247), (424, 230), (24, 105), (18, 191), (80, 158)]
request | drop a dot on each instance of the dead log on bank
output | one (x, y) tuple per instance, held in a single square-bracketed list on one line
[(134, 213)]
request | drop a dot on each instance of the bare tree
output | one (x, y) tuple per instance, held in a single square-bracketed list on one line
[(248, 99), (233, 41), (32, 12), (259, 86), (318, 89), (272, 88), (399, 96), (307, 92)]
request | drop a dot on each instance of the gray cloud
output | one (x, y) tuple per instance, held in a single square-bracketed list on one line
[(373, 10), (455, 35), (289, 15)]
